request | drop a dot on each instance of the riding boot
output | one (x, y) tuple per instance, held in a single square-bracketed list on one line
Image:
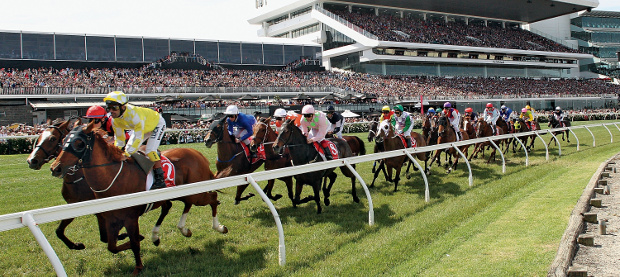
[(408, 139), (158, 176)]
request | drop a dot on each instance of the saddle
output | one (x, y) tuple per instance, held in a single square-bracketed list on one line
[(408, 142), (260, 153)]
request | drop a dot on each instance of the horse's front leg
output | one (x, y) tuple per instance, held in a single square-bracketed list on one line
[(165, 208), (240, 190), (268, 188), (215, 222), (289, 188), (133, 230), (60, 233), (316, 187), (328, 188)]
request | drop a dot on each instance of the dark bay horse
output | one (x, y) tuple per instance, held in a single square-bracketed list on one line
[(554, 123), (485, 130), (303, 153), (230, 154), (532, 138), (74, 187), (447, 135), (108, 173), (264, 135), (373, 129)]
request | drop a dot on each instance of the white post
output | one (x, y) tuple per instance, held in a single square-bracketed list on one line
[(558, 142), (471, 178), (527, 157), (610, 135), (427, 196), (371, 211), (276, 217), (545, 144), (574, 135), (616, 124), (501, 153), (593, 139), (28, 220)]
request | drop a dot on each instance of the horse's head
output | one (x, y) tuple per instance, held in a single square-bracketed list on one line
[(215, 132), (553, 122), (442, 124), (77, 148), (261, 130), (372, 130), (482, 126), (49, 144), (384, 130), (289, 135)]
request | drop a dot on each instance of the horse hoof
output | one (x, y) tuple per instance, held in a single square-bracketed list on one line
[(122, 236), (327, 202), (223, 229), (188, 234), (156, 242), (140, 237), (78, 246), (136, 271), (408, 176), (275, 198), (237, 202)]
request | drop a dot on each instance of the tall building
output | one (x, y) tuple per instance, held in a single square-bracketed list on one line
[(598, 33), (434, 38)]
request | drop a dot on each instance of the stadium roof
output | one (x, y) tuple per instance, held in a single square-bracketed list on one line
[(607, 14), (527, 11)]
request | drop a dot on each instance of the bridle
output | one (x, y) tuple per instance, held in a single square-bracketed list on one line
[(57, 147)]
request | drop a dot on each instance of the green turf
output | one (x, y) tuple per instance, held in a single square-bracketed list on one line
[(505, 225)]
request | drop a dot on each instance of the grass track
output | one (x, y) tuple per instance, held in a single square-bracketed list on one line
[(505, 225)]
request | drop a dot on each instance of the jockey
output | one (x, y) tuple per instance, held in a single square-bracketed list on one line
[(336, 121), (559, 116), (314, 126), (505, 113), (240, 125), (490, 116), (454, 117), (473, 116), (430, 112), (531, 110), (280, 115), (102, 119), (144, 122), (526, 115), (402, 123), (386, 113)]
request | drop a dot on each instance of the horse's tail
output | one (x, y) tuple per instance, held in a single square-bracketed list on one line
[(226, 172), (362, 146)]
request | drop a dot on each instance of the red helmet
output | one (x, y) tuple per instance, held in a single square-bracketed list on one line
[(469, 110), (489, 105), (95, 112)]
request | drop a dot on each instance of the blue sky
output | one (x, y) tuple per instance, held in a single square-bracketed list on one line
[(200, 19)]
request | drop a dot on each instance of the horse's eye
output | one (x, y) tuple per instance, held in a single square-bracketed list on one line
[(78, 145), (52, 139)]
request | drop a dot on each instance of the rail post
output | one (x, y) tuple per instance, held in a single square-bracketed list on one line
[(500, 152), (611, 137), (371, 211), (545, 144), (427, 196), (28, 220), (593, 138), (276, 217), (527, 157), (471, 178), (575, 135)]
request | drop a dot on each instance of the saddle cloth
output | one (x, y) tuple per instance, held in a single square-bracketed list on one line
[(329, 145), (260, 153), (169, 173), (404, 140)]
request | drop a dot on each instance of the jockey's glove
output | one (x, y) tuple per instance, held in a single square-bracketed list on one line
[(126, 154)]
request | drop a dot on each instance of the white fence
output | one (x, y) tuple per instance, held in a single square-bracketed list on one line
[(32, 218)]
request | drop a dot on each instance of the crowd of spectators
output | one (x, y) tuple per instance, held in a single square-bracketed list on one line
[(438, 31), (382, 87)]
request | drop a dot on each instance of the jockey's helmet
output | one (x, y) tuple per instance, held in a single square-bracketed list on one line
[(447, 105), (307, 109), (469, 110), (528, 107), (398, 108), (558, 108), (231, 110), (95, 112), (279, 113), (503, 107), (431, 110), (117, 97), (385, 108), (489, 105), (524, 110)]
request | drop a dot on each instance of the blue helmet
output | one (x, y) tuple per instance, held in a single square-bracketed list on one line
[(431, 110)]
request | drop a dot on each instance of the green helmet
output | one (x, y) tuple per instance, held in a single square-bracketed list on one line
[(398, 108)]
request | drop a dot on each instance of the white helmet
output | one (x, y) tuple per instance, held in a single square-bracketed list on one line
[(503, 107), (232, 109), (307, 109), (558, 108), (279, 113)]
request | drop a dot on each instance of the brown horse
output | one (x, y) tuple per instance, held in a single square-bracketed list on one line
[(304, 153), (373, 129), (485, 130), (230, 154), (108, 173), (554, 123), (264, 135), (528, 128), (74, 187), (447, 135)]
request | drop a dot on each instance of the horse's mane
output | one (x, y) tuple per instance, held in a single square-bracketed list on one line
[(115, 153)]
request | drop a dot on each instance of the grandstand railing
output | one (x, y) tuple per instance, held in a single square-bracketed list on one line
[(21, 91), (556, 39), (33, 218), (346, 23)]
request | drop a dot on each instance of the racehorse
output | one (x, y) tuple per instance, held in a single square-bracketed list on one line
[(264, 135), (74, 187), (304, 153), (446, 135), (554, 123), (108, 173), (467, 125), (485, 130), (532, 138), (230, 154), (373, 128)]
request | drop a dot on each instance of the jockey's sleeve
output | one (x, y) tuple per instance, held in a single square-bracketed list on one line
[(407, 123), (136, 139), (303, 123), (322, 126), (119, 135), (246, 124)]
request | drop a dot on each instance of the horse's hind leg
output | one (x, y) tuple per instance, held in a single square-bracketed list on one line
[(328, 188), (351, 176), (181, 226), (240, 190), (316, 187), (165, 208), (60, 233), (215, 222), (133, 229)]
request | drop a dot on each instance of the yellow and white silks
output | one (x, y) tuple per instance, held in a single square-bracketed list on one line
[(144, 122)]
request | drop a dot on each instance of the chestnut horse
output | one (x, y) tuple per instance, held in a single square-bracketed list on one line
[(446, 135), (74, 187), (264, 135), (108, 173), (230, 154), (373, 129), (486, 130), (304, 153)]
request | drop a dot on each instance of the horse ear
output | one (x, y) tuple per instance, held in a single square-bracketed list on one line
[(89, 127), (77, 122)]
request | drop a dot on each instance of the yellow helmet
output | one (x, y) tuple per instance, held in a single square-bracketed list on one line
[(528, 107), (116, 96), (386, 108)]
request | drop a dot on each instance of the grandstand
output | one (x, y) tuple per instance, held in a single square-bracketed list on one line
[(432, 38)]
